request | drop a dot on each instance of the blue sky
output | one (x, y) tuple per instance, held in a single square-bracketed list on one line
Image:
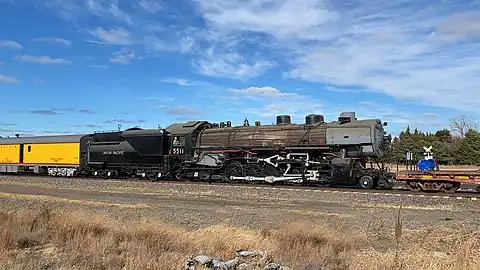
[(75, 66)]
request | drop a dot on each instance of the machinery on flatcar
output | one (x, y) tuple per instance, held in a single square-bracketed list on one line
[(315, 152)]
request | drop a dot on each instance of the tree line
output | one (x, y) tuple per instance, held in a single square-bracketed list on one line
[(457, 145)]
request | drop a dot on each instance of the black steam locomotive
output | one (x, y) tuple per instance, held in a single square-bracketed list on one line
[(316, 152)]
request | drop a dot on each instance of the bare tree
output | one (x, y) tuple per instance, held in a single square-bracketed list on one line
[(461, 125)]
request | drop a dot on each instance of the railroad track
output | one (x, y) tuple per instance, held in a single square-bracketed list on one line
[(398, 190)]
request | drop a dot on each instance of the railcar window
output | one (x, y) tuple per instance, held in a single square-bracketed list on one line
[(29, 148)]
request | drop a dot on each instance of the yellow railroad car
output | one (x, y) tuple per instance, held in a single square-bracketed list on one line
[(53, 155), (9, 153)]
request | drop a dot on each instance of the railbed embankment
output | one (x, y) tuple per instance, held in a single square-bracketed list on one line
[(67, 223)]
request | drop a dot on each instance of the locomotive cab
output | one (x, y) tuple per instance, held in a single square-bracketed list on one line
[(177, 146), (184, 137)]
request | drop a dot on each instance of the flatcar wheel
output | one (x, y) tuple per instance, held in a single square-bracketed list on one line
[(451, 187), (413, 186), (365, 182)]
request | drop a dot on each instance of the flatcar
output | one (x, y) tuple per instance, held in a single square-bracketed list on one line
[(428, 177)]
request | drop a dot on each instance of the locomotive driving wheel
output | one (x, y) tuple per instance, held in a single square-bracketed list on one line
[(254, 170), (366, 182), (234, 168)]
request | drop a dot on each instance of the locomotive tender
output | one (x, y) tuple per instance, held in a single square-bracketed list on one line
[(315, 152)]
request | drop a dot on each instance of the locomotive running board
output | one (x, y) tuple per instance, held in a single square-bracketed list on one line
[(268, 179)]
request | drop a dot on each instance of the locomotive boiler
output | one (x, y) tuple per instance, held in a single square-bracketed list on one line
[(357, 137)]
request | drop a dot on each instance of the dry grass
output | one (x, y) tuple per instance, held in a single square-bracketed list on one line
[(58, 240)]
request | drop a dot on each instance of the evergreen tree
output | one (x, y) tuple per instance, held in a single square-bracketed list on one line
[(447, 149)]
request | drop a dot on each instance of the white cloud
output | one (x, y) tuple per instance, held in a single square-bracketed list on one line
[(386, 47), (117, 36), (8, 79), (430, 115), (182, 110), (406, 49), (53, 40), (281, 19), (120, 14), (47, 60), (267, 102), (460, 27), (124, 56), (297, 109), (230, 64), (179, 81), (266, 91), (10, 44), (152, 6), (367, 103)]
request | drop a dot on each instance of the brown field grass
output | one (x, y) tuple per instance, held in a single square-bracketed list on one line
[(59, 240)]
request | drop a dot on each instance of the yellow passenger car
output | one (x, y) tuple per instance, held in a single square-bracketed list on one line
[(53, 155), (9, 153)]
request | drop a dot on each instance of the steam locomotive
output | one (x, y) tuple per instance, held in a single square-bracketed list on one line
[(315, 152)]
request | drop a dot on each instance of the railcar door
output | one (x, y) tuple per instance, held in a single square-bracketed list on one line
[(22, 146)]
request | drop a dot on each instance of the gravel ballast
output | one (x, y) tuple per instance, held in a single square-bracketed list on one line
[(196, 205)]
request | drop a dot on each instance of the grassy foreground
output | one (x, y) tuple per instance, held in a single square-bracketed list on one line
[(58, 240)]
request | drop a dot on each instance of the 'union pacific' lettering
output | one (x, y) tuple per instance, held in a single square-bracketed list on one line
[(114, 153)]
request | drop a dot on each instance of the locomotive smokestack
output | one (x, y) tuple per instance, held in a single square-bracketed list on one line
[(283, 119), (314, 119)]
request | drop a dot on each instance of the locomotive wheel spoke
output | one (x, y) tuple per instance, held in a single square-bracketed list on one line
[(253, 170), (233, 169)]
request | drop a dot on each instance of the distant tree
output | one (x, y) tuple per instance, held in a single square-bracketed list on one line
[(461, 125), (468, 150), (443, 135), (447, 149)]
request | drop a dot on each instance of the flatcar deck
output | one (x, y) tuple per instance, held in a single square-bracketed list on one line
[(443, 180)]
